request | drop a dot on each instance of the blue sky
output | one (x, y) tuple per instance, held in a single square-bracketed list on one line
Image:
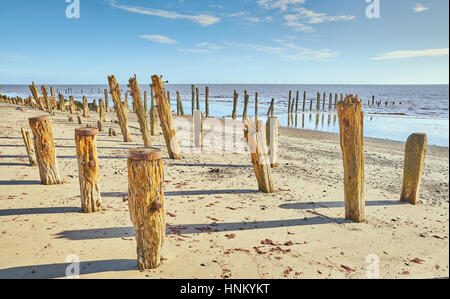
[(233, 41)]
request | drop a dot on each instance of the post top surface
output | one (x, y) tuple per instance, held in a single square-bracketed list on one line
[(86, 131), (145, 154), (39, 118)]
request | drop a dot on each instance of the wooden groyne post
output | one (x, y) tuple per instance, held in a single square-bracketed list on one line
[(207, 101), (270, 111), (121, 111), (88, 169), (140, 112), (256, 106), (256, 140), (165, 117), (106, 100), (45, 150), (145, 102), (304, 101), (153, 114), (415, 151), (29, 145), (246, 98), (62, 105), (235, 101), (102, 111), (193, 99), (289, 107), (197, 99), (352, 144), (85, 107), (272, 135), (146, 203), (318, 102), (36, 95)]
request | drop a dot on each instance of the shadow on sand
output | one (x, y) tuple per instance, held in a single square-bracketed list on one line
[(334, 204)]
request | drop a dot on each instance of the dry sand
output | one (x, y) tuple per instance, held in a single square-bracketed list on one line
[(219, 225)]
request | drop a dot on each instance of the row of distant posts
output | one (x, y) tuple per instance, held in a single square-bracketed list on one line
[(146, 169)]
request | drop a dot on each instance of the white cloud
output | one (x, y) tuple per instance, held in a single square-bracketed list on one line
[(158, 39), (419, 8), (209, 46), (279, 4), (313, 17), (202, 19), (411, 54), (195, 51), (293, 21)]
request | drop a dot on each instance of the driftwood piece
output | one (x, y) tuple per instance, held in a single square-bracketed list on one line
[(146, 204), (45, 150), (88, 169), (165, 118), (256, 140), (140, 112), (122, 113), (29, 145), (352, 143), (415, 152)]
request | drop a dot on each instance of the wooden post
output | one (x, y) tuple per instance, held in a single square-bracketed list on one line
[(246, 98), (101, 111), (168, 98), (235, 100), (153, 116), (85, 107), (140, 112), (29, 145), (36, 95), (335, 100), (72, 105), (330, 103), (122, 114), (180, 103), (198, 128), (94, 104), (45, 150), (127, 105), (304, 101), (46, 99), (415, 151), (88, 169), (272, 134), (112, 132), (146, 203), (106, 100), (256, 140), (197, 99), (79, 120), (165, 117), (145, 102), (207, 101), (100, 126), (373, 100), (318, 102), (352, 143), (193, 100), (62, 105), (324, 100), (289, 108), (271, 108), (256, 107)]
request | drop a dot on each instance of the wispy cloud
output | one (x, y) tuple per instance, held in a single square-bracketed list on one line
[(161, 39), (195, 51), (279, 4), (411, 54), (202, 19), (419, 7)]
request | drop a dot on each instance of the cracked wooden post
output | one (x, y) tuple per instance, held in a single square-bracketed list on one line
[(101, 111), (72, 105), (121, 111), (166, 120), (36, 95), (146, 203), (106, 100), (153, 115), (44, 146), (415, 151), (207, 101), (272, 135), (46, 99), (140, 112), (352, 144), (85, 107), (235, 101), (29, 147), (62, 105), (256, 140), (88, 169), (198, 128), (168, 99)]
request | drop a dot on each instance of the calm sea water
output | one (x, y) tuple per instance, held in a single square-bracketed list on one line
[(423, 109)]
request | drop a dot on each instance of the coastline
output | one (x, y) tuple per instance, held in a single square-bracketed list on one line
[(217, 217)]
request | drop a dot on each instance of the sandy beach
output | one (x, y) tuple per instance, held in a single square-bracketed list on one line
[(218, 224)]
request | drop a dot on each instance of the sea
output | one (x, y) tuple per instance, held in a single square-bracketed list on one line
[(410, 108)]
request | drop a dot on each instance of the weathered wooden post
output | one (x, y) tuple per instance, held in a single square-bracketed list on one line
[(165, 117), (79, 120), (318, 102), (415, 151), (94, 104), (207, 101), (140, 112), (153, 115), (146, 204), (193, 99), (235, 100), (127, 104), (106, 100), (178, 104), (168, 98), (272, 134), (256, 141), (36, 95), (246, 98), (198, 129), (373, 100), (101, 111), (304, 101), (29, 145), (289, 108), (61, 104), (335, 100), (85, 107), (88, 169), (72, 105), (271, 108), (324, 100), (256, 107), (197, 99), (45, 150), (181, 104), (46, 99), (352, 143), (330, 103), (100, 126), (122, 114), (145, 102)]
